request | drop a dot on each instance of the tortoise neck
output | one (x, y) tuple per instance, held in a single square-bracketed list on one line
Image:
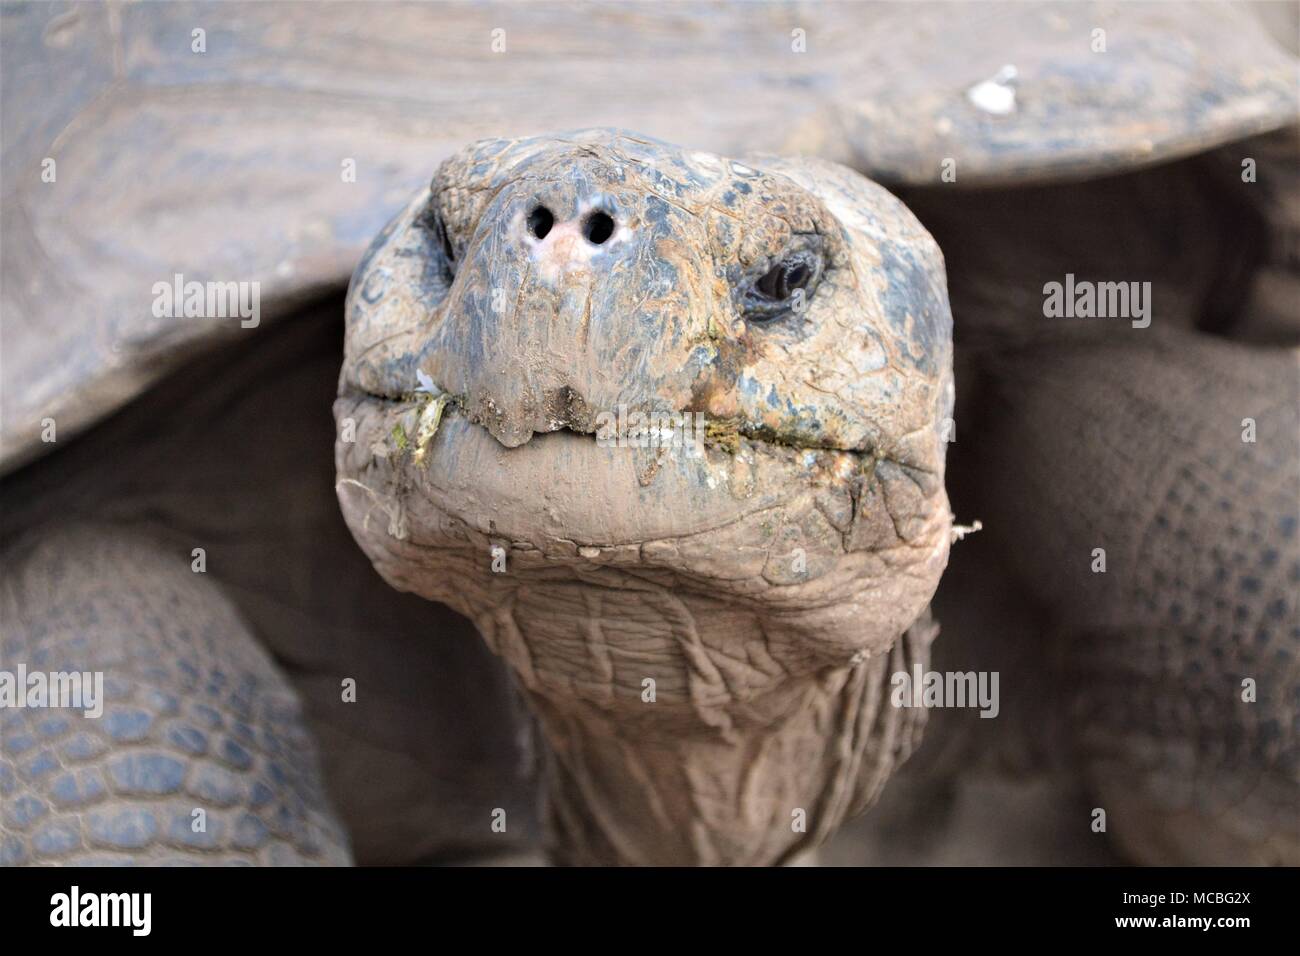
[(678, 727), (751, 784)]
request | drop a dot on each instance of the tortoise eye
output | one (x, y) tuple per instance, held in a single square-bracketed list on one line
[(440, 230), (780, 282), (776, 292), (433, 223)]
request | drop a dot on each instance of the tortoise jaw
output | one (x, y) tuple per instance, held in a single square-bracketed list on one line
[(797, 530)]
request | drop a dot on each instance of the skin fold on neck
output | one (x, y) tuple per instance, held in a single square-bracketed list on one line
[(687, 769)]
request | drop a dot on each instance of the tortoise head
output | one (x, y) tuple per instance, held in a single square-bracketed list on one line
[(606, 396)]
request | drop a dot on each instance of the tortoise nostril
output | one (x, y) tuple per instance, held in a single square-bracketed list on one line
[(598, 228), (540, 221)]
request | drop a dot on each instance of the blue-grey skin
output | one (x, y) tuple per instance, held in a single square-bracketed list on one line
[(199, 752), (279, 686), (761, 585)]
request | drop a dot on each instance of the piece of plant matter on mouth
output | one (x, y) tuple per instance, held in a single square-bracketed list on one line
[(416, 428)]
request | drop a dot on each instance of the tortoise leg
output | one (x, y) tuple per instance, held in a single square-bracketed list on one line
[(1181, 656), (200, 754)]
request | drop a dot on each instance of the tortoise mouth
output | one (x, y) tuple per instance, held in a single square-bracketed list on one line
[(574, 488), (688, 430)]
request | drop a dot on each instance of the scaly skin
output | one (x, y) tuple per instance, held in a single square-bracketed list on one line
[(763, 585), (196, 717), (101, 533), (1199, 594)]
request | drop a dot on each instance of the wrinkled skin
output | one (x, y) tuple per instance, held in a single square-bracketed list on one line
[(706, 639)]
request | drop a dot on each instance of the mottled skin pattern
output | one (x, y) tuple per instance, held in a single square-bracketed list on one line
[(763, 586)]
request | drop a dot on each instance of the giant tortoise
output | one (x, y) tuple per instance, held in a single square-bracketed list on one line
[(679, 430)]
